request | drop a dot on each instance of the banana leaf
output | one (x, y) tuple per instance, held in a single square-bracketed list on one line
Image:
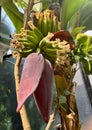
[(86, 15), (14, 14), (70, 8)]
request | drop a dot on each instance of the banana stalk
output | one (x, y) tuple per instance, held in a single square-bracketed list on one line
[(23, 113)]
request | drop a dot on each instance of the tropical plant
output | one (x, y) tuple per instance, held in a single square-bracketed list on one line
[(50, 56)]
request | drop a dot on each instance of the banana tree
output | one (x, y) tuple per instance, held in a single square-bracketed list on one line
[(51, 56)]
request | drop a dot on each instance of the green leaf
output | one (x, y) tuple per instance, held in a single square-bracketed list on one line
[(77, 58), (21, 3), (86, 15), (70, 8), (14, 14), (77, 30), (82, 39), (72, 22), (90, 49), (87, 65), (66, 92), (62, 99)]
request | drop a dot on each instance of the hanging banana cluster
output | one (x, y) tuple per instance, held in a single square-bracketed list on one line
[(38, 36), (47, 21), (27, 41), (55, 51)]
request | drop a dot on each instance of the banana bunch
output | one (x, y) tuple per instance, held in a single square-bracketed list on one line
[(49, 48), (47, 21), (28, 40)]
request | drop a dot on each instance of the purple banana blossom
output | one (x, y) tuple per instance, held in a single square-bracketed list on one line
[(37, 79)]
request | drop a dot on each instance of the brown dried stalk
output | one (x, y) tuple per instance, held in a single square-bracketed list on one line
[(69, 117), (72, 117), (51, 120)]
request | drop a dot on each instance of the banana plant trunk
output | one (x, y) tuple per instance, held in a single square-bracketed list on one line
[(69, 116)]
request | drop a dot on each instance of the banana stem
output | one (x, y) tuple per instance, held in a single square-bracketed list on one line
[(51, 120), (23, 113), (69, 116), (27, 13)]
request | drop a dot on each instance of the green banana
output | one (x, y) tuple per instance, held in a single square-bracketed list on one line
[(50, 21), (35, 29), (27, 48), (38, 33), (32, 39), (55, 24), (45, 44), (51, 58), (29, 45), (42, 43), (50, 51), (47, 21), (24, 52), (22, 40), (59, 25), (44, 25), (32, 33), (48, 45), (51, 45), (39, 22)]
